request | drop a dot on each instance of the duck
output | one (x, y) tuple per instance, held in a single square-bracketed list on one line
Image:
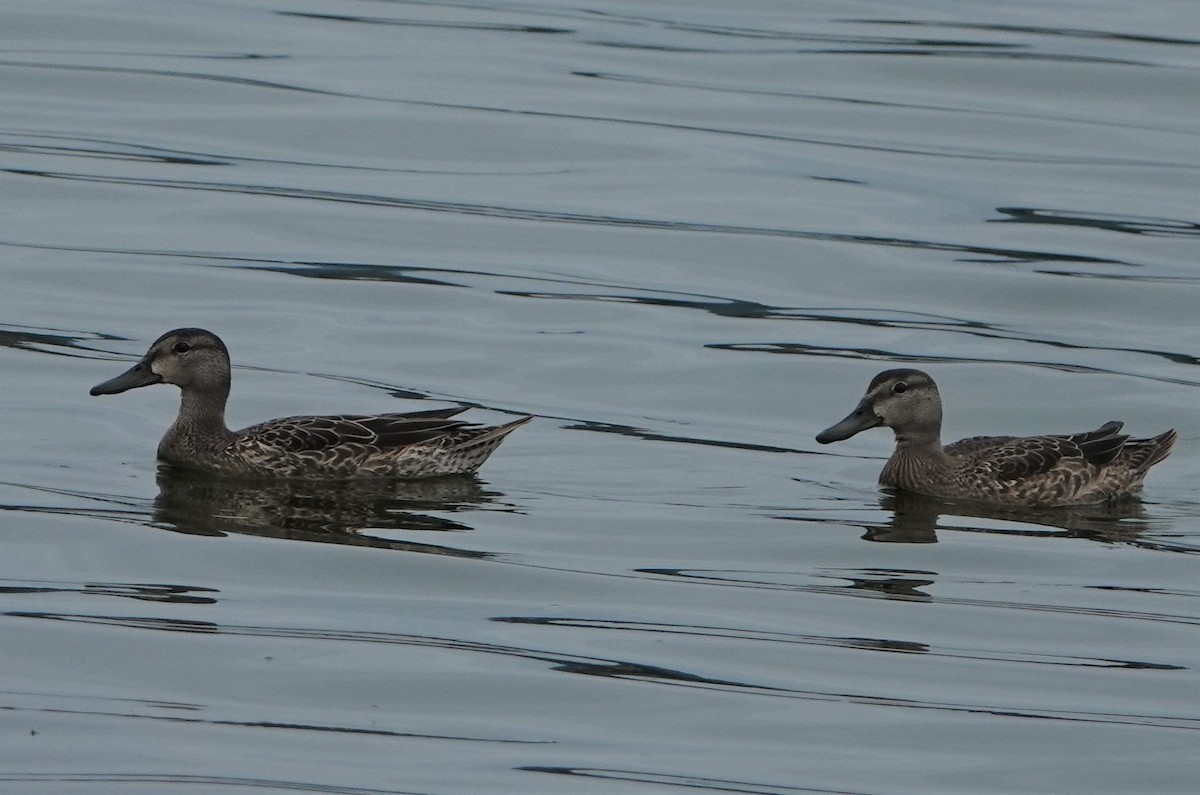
[(411, 445), (1017, 471)]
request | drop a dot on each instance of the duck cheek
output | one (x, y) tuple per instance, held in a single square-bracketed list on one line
[(165, 370)]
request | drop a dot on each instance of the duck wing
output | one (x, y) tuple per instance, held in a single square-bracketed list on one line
[(967, 448), (380, 431), (1028, 457)]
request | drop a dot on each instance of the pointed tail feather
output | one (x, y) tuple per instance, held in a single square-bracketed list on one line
[(472, 452), (1145, 453), (493, 434), (1162, 446)]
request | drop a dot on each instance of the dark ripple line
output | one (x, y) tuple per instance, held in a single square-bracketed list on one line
[(853, 643), (185, 778), (1075, 33), (641, 20), (54, 341), (148, 592), (878, 354), (651, 436), (875, 103), (135, 157), (141, 702), (1082, 33), (991, 52), (1120, 277), (133, 517), (739, 308), (615, 669), (1112, 524), (722, 306), (497, 27), (685, 782), (357, 530), (761, 34), (144, 153), (28, 341), (1109, 222), (131, 510), (888, 45), (259, 724), (152, 54), (96, 496), (830, 142), (526, 214), (708, 577)]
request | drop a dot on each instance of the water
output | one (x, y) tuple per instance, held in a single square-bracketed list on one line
[(684, 235)]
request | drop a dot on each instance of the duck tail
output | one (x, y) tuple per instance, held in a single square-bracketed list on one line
[(1145, 453), (1163, 444), (471, 451)]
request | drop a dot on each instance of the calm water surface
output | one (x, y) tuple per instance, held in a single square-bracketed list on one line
[(684, 235)]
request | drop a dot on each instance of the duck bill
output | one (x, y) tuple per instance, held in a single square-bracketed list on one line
[(860, 419), (138, 375)]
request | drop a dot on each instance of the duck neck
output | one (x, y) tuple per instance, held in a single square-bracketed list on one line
[(200, 427), (919, 440), (918, 462), (203, 412)]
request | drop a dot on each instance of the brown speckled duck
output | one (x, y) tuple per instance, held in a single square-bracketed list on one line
[(1032, 471), (414, 445)]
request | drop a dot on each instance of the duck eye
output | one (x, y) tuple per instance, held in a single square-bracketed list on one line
[(900, 387), (182, 347)]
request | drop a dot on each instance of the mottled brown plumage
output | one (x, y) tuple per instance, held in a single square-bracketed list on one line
[(1033, 471), (414, 445)]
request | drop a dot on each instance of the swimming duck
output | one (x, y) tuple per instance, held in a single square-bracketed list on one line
[(413, 445), (1033, 471)]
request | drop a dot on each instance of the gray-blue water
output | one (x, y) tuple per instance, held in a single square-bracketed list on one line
[(684, 235)]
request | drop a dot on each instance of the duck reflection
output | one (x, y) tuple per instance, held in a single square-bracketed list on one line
[(915, 520), (333, 512)]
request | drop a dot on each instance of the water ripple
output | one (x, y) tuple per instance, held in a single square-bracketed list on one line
[(621, 669), (892, 584), (689, 782), (63, 145), (355, 513), (494, 27), (1109, 222), (153, 710), (58, 342), (555, 216), (146, 592), (878, 354), (223, 782), (944, 151), (886, 645)]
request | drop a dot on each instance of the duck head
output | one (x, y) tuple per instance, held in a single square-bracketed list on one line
[(906, 401), (191, 358)]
